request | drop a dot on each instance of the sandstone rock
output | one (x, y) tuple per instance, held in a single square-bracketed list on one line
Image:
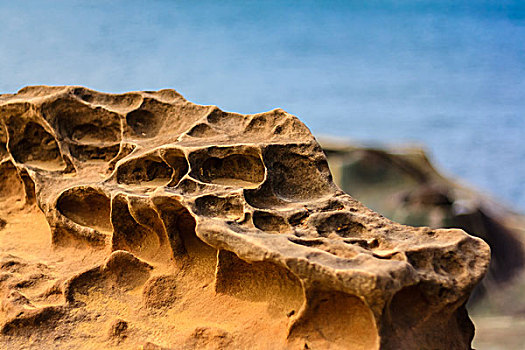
[(402, 184), (203, 228)]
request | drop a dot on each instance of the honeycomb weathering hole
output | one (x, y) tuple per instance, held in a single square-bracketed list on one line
[(342, 223), (203, 130), (269, 222), (244, 170), (227, 207), (36, 147), (86, 206), (92, 134), (148, 170), (143, 123), (292, 176), (297, 177), (88, 152), (84, 124)]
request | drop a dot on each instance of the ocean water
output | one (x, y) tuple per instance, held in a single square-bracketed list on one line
[(448, 75)]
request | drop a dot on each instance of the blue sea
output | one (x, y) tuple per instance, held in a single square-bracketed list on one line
[(447, 75)]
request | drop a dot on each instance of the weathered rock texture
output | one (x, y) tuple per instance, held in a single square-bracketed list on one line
[(402, 184), (145, 219)]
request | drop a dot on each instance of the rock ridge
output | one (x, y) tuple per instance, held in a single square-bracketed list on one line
[(185, 226)]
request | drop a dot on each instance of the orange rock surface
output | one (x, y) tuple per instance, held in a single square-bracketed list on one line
[(144, 220)]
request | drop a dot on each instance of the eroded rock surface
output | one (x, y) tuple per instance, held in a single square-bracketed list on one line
[(144, 219), (402, 184)]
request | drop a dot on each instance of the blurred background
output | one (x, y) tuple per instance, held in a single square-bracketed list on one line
[(448, 76)]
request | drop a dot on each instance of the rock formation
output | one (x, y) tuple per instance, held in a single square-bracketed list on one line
[(402, 184), (142, 219)]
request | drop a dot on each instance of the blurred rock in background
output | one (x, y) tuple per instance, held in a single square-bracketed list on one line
[(402, 184)]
